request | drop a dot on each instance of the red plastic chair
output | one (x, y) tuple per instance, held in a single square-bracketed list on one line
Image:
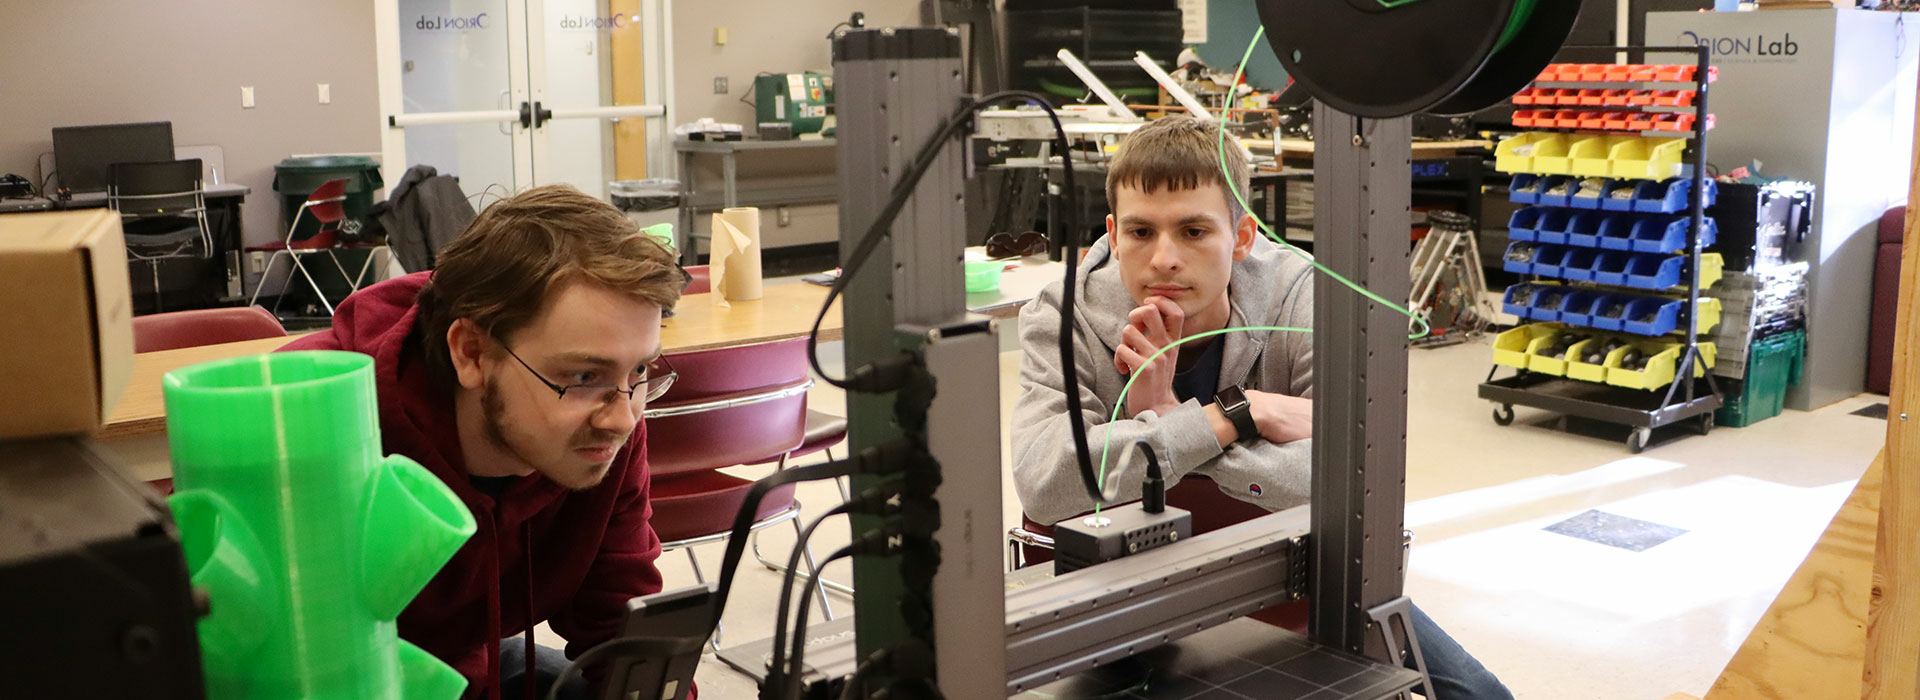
[(730, 406), (185, 329), (1032, 543), (701, 282), (326, 205)]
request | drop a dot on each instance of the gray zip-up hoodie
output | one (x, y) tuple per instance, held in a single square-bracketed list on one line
[(1272, 287)]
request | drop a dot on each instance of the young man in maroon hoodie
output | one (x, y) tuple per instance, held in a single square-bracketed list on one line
[(517, 371)]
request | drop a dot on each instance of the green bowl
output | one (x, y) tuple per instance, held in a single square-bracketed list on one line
[(984, 276)]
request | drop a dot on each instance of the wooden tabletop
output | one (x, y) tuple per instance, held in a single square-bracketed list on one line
[(785, 311)]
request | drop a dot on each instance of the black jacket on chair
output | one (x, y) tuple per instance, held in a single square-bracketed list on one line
[(424, 212)]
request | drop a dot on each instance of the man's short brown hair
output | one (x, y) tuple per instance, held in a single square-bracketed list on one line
[(1178, 152), (500, 272)]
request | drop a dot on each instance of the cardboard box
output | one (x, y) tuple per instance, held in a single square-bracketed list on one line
[(66, 322)]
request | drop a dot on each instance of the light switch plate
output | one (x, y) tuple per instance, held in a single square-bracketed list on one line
[(246, 97), (720, 36), (326, 93)]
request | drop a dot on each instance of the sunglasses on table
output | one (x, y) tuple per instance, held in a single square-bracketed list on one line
[(1008, 245)]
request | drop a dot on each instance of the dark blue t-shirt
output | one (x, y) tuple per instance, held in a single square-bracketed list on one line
[(1202, 379)]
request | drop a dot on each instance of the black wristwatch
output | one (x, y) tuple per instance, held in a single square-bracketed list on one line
[(1233, 402)]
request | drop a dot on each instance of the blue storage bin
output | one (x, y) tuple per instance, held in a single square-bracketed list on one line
[(1616, 232), (1583, 229), (1662, 315), (1520, 267), (1546, 262), (1670, 196), (1590, 202), (1553, 226), (1613, 203), (1554, 182), (1654, 271), (1669, 233), (1577, 309), (1609, 312), (1525, 189), (1524, 224), (1611, 268), (1577, 265), (1545, 305), (1518, 300)]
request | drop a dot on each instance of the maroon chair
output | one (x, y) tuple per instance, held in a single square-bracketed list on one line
[(327, 206), (1886, 301), (730, 406), (701, 280), (185, 329), (1032, 543)]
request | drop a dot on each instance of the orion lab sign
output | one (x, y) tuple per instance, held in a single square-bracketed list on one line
[(587, 23), (1746, 49), (451, 24)]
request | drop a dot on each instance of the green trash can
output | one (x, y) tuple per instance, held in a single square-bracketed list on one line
[(296, 178), (1773, 364)]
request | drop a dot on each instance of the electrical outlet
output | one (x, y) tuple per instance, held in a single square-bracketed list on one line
[(784, 216), (256, 262), (326, 94), (720, 85), (246, 97)]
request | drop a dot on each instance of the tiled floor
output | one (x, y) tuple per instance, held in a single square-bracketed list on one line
[(1555, 616)]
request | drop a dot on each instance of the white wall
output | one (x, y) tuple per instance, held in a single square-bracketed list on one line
[(106, 61)]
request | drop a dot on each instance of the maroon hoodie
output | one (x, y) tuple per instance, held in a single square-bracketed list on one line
[(541, 553)]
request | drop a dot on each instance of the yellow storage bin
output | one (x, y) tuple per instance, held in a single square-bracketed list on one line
[(1510, 347), (1659, 369), (1647, 158), (1551, 155), (1709, 316), (1592, 155), (1712, 268), (1583, 371), (1517, 154), (1540, 357)]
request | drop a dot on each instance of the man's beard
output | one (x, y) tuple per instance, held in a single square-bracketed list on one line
[(494, 409)]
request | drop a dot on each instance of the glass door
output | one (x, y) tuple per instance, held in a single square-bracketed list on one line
[(510, 94)]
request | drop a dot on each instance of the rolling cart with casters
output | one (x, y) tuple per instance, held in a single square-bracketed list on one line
[(1612, 348)]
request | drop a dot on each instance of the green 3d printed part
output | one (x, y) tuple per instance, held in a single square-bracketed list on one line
[(307, 542)]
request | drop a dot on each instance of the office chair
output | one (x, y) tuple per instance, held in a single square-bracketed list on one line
[(163, 212)]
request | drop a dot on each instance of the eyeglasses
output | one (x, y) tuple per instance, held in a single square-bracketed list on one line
[(1007, 245), (659, 378)]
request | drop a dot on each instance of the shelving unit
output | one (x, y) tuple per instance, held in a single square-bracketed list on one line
[(1613, 238)]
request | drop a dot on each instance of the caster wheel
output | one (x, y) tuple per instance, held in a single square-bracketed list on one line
[(1706, 423), (1503, 414), (1637, 440)]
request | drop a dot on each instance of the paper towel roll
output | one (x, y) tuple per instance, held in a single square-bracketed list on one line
[(736, 254)]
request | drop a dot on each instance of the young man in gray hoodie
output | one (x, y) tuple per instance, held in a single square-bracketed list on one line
[(1182, 257)]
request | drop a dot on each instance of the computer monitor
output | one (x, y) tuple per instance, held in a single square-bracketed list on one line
[(82, 154)]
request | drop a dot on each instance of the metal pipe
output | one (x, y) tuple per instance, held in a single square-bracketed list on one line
[(437, 118)]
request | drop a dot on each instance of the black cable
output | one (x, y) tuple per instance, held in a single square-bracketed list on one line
[(661, 647), (786, 587), (850, 691), (797, 668), (876, 459), (897, 199)]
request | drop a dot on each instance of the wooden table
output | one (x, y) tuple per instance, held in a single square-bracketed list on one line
[(785, 311)]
